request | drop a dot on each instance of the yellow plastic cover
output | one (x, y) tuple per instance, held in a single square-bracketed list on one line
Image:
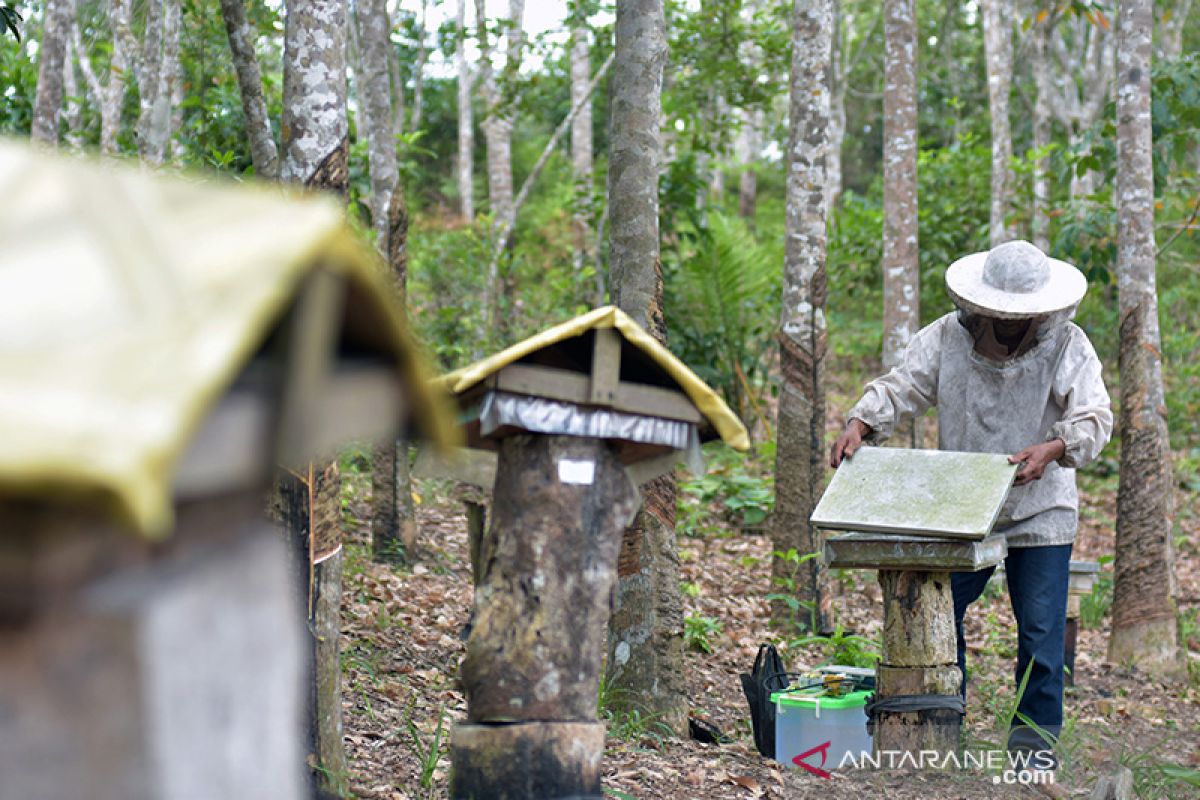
[(129, 303), (723, 420)]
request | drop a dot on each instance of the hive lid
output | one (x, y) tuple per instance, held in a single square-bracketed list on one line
[(936, 493)]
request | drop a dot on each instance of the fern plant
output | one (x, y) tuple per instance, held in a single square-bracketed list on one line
[(723, 307)]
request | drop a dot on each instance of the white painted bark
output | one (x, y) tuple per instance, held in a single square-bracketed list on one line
[(1145, 628), (800, 456), (901, 272), (466, 121), (314, 94), (645, 643), (263, 152), (1039, 223), (52, 52), (581, 142), (997, 40)]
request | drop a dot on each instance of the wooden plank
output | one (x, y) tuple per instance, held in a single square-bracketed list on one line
[(232, 448), (310, 340), (574, 387), (606, 367)]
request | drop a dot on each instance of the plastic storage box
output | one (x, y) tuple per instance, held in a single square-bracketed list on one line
[(820, 729)]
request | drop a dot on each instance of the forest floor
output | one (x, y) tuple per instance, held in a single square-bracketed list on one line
[(401, 648)]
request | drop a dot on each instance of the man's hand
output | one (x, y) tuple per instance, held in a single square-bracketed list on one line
[(849, 441), (1036, 457)]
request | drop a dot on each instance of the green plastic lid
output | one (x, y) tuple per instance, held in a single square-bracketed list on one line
[(809, 698)]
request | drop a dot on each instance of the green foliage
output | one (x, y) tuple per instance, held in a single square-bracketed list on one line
[(801, 613), (841, 648), (742, 488), (722, 301), (10, 18), (699, 632), (1095, 606), (427, 749)]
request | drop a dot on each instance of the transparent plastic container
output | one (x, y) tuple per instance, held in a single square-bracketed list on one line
[(809, 723)]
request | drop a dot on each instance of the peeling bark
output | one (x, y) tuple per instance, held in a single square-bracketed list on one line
[(466, 122), (997, 40), (52, 58), (800, 457), (263, 152), (645, 644), (1144, 629)]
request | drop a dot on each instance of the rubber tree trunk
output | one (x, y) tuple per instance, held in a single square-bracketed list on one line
[(315, 153), (466, 122), (800, 456), (1039, 222), (52, 55), (263, 152), (581, 141), (532, 668), (997, 40), (645, 645), (1145, 628), (901, 263)]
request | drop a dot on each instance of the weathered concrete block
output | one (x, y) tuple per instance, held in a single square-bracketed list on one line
[(916, 493), (891, 551)]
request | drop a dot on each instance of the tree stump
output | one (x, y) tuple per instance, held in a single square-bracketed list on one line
[(532, 668), (919, 659)]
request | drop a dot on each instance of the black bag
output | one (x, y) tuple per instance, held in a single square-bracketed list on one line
[(769, 675)]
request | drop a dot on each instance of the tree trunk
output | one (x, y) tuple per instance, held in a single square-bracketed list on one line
[(418, 103), (263, 153), (901, 266), (840, 63), (645, 645), (1039, 223), (1082, 72), (111, 94), (581, 142), (466, 122), (800, 457), (74, 110), (750, 146), (393, 523), (1172, 24), (47, 103), (997, 40), (1145, 627), (314, 146), (497, 130)]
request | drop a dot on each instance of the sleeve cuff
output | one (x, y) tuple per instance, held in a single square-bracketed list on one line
[(1072, 441)]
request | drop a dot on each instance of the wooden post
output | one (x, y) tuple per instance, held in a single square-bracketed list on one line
[(532, 668), (919, 658)]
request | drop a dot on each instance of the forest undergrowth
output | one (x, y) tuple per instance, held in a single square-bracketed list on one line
[(402, 645)]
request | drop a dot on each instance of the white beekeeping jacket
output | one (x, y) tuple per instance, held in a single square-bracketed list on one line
[(1052, 390)]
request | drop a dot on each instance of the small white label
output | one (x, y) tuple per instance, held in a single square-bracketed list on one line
[(579, 472)]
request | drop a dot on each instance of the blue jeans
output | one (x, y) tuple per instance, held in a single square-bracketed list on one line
[(1037, 585)]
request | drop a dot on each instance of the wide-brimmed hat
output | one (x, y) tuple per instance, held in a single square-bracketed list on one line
[(1013, 281)]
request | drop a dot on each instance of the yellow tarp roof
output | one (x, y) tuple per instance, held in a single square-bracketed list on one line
[(128, 305), (724, 421)]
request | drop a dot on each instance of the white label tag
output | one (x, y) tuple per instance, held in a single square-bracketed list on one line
[(578, 472)]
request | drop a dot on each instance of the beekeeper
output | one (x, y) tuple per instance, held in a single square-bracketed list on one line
[(1009, 373)]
